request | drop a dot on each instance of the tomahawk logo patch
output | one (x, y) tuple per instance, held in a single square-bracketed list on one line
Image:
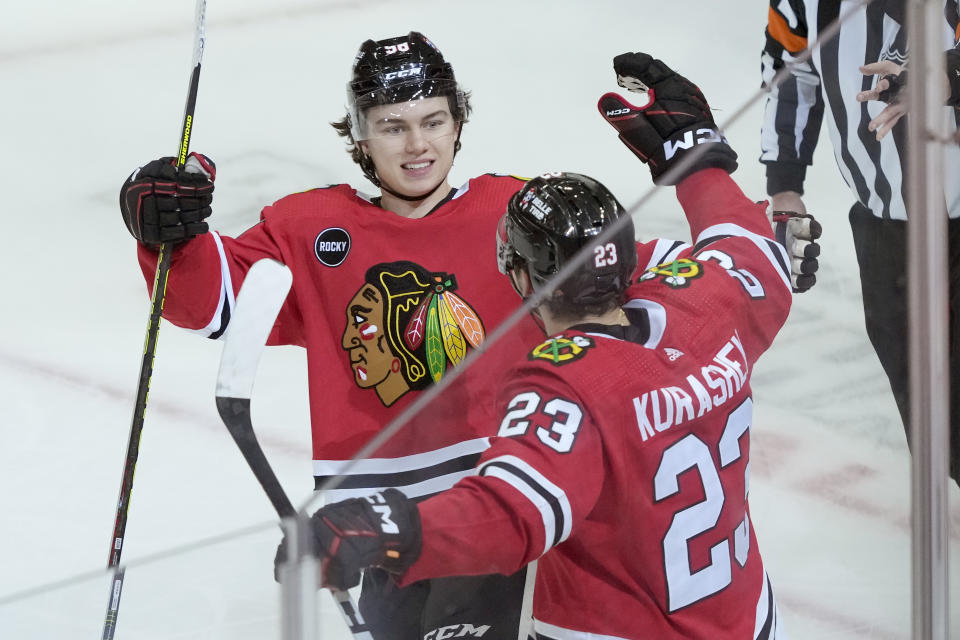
[(332, 246), (560, 350), (676, 274), (405, 326)]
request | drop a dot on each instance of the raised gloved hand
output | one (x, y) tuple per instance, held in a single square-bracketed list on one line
[(382, 530), (161, 204), (674, 123), (798, 232)]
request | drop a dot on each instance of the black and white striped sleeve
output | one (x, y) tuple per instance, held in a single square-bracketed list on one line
[(793, 113)]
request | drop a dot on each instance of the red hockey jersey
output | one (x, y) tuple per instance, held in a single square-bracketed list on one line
[(384, 305), (623, 453)]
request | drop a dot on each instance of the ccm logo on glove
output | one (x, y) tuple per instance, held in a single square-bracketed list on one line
[(380, 506), (670, 147)]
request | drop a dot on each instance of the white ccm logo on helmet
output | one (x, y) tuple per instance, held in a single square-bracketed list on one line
[(404, 73), (670, 147)]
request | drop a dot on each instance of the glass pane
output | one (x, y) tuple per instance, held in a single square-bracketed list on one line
[(220, 589)]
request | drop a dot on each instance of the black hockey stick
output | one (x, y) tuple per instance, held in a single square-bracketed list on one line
[(264, 289), (150, 347)]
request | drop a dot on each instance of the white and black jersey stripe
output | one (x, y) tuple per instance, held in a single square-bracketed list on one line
[(771, 249), (417, 476), (221, 315), (828, 85), (649, 314), (768, 623), (546, 631), (549, 499), (646, 312), (654, 316)]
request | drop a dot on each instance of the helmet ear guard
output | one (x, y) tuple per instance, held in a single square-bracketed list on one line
[(550, 219), (508, 260), (506, 254)]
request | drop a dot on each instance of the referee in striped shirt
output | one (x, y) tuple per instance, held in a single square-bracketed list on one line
[(841, 83)]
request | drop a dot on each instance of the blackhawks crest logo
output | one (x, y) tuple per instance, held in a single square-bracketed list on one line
[(560, 350), (676, 274), (404, 326)]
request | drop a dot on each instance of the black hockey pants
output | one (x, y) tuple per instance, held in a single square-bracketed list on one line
[(465, 607), (881, 253)]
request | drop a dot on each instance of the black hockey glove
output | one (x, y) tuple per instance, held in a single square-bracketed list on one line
[(675, 121), (382, 530), (798, 232), (896, 83), (161, 204)]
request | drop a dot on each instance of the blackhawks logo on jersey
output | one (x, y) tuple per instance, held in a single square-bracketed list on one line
[(675, 274), (560, 350), (404, 326)]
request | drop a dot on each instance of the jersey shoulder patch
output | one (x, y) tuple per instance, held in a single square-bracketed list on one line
[(560, 350), (676, 274)]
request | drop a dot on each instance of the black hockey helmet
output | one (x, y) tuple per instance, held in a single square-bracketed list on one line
[(550, 219), (401, 69)]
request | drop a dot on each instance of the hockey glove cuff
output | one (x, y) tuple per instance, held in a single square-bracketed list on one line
[(797, 233), (162, 204), (382, 530), (674, 123)]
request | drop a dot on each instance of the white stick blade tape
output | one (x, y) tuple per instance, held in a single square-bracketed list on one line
[(199, 31), (258, 304)]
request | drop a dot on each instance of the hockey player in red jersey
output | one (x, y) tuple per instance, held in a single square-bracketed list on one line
[(622, 456), (378, 282), (388, 293)]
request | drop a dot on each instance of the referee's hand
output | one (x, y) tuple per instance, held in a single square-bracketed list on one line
[(888, 71)]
